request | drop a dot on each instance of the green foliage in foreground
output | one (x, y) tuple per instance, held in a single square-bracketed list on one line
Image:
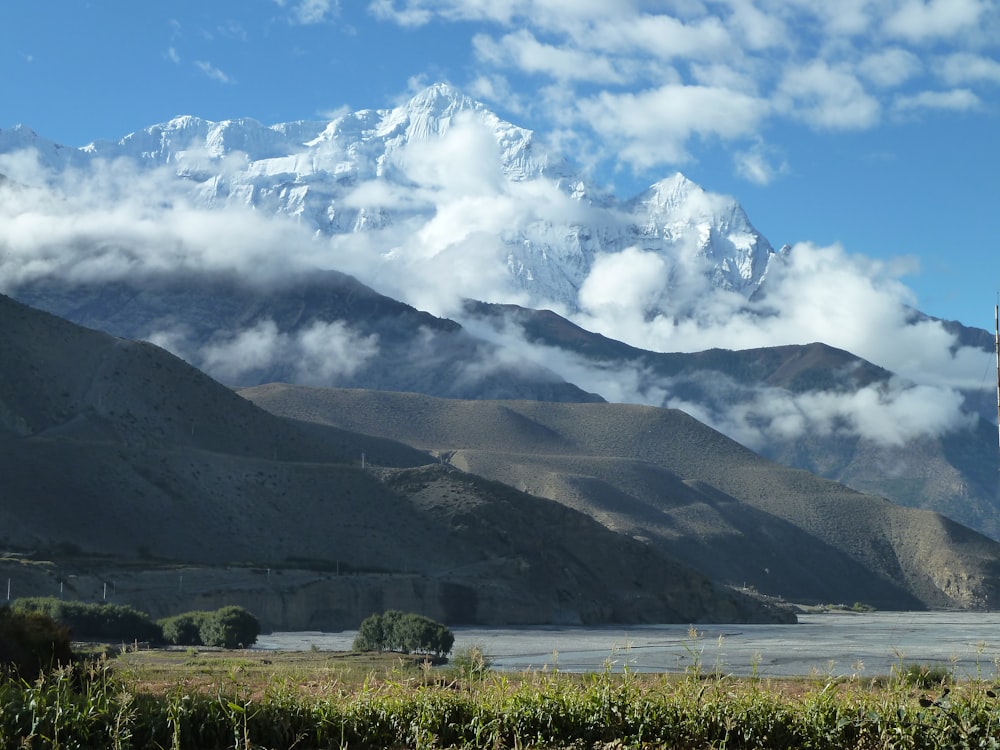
[(31, 642), (100, 621), (104, 709), (406, 633), (228, 627)]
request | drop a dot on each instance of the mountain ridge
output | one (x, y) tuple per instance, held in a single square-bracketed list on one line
[(122, 462), (311, 172)]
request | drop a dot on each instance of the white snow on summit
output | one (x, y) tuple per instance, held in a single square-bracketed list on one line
[(441, 175)]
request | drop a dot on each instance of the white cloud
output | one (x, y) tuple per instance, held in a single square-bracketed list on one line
[(319, 353), (529, 55), (307, 12), (959, 100), (643, 72), (923, 20), (890, 67), (386, 10), (653, 127), (113, 220), (827, 98), (213, 72), (448, 239), (760, 165), (890, 414), (629, 283), (964, 67)]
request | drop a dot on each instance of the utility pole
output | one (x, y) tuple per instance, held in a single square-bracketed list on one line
[(996, 317)]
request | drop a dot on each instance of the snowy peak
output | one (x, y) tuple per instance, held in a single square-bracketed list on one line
[(50, 154), (429, 113), (383, 169), (679, 211)]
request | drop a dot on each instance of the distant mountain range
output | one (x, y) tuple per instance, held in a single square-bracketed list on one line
[(323, 175), (121, 461)]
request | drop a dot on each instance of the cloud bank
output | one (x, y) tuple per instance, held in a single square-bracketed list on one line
[(434, 235)]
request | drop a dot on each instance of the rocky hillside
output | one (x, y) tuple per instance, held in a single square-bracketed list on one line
[(121, 462), (662, 477), (797, 405)]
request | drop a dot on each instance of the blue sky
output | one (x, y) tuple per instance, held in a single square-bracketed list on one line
[(871, 123)]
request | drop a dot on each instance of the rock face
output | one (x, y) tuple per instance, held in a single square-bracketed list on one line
[(123, 463)]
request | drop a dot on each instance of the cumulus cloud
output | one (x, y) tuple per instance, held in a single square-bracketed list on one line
[(827, 97), (964, 67), (920, 20), (654, 126), (523, 50)]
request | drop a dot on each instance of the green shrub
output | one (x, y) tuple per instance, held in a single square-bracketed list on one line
[(228, 627), (408, 633), (183, 629), (31, 642), (99, 621)]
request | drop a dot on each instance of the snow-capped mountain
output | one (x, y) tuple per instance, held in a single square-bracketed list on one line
[(394, 169)]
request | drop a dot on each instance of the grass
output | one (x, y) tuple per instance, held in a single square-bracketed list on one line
[(237, 699)]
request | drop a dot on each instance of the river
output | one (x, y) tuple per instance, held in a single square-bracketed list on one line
[(835, 644)]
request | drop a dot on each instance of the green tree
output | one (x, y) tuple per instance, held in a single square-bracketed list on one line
[(408, 633), (230, 627), (107, 621), (371, 635), (184, 629)]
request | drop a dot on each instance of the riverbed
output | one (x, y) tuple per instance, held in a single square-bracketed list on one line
[(833, 644)]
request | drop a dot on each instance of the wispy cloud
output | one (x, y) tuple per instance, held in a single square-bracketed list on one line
[(958, 100), (308, 12), (213, 72)]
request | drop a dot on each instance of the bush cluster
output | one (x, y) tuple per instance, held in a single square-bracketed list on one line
[(408, 633), (228, 627), (31, 642), (99, 621)]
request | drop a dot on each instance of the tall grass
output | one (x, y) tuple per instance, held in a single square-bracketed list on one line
[(101, 707)]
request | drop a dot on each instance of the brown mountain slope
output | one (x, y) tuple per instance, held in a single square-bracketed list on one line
[(661, 475), (954, 472), (117, 457)]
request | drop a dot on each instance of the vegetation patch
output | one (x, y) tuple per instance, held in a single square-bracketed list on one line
[(97, 621), (407, 633), (316, 700), (228, 627)]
